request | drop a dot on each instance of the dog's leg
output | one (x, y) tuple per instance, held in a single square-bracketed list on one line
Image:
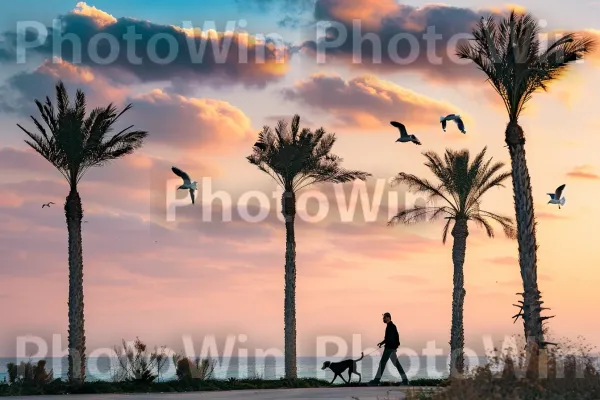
[(344, 379), (334, 376), (349, 375), (359, 376)]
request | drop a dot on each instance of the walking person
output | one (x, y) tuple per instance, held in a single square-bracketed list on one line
[(391, 342)]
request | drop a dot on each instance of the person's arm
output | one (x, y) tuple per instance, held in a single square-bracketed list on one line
[(386, 339)]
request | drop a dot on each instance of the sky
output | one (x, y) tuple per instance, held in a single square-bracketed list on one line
[(147, 276)]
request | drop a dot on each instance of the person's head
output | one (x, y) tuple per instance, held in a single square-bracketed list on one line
[(387, 317)]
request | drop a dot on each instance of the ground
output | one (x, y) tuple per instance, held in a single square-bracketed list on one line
[(356, 393)]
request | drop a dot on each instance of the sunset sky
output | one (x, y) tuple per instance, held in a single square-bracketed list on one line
[(148, 277)]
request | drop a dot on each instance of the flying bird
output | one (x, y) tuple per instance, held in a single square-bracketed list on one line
[(47, 204), (453, 117), (555, 198), (187, 182), (404, 136)]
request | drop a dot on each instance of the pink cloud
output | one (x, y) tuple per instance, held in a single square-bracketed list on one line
[(583, 172), (504, 260), (192, 123), (186, 124), (548, 216), (367, 102)]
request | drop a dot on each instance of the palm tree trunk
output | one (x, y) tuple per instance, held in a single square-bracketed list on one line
[(457, 331), (515, 139), (289, 308), (76, 339)]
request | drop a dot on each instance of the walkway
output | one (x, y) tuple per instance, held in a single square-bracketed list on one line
[(352, 393)]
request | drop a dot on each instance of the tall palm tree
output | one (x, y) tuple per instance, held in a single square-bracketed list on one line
[(460, 188), (510, 53), (295, 159), (73, 142)]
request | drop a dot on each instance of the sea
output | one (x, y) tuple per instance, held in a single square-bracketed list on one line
[(104, 368)]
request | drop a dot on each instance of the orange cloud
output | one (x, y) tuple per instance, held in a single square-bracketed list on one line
[(183, 123), (190, 124), (100, 17), (367, 102), (548, 216), (583, 172)]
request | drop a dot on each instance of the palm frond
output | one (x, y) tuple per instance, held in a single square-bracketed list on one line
[(419, 185), (462, 184), (419, 214), (73, 141), (296, 158), (508, 52)]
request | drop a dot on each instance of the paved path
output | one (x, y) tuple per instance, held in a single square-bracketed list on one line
[(356, 393)]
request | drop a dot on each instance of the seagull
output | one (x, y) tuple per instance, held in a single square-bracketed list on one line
[(47, 204), (455, 118), (404, 136), (555, 198), (187, 182)]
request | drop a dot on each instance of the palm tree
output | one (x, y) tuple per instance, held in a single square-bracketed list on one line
[(295, 159), (508, 52), (73, 142), (461, 188)]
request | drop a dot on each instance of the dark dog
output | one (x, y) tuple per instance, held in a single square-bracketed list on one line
[(338, 367)]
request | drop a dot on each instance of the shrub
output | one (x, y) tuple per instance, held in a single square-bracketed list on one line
[(186, 369), (565, 372), (136, 363), (28, 374)]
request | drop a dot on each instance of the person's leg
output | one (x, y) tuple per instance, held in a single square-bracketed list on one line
[(384, 359), (396, 362)]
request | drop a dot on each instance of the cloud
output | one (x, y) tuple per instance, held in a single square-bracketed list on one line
[(183, 123), (400, 35), (385, 36), (548, 216), (366, 102), (20, 90), (199, 55), (503, 260), (192, 123), (583, 172)]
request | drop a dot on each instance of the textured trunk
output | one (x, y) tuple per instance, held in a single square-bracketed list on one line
[(76, 340), (457, 332), (515, 139), (289, 308)]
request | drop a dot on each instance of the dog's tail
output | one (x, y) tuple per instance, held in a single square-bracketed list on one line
[(362, 355)]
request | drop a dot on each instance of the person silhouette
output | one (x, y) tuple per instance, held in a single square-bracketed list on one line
[(391, 342)]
